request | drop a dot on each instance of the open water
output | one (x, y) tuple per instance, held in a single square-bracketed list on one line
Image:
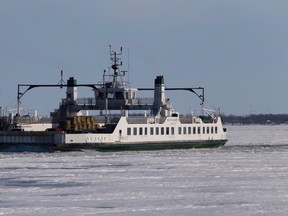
[(248, 176)]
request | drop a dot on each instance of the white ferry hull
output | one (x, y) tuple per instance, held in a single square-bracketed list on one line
[(171, 134)]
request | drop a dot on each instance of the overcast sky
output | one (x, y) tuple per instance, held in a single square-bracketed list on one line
[(236, 49)]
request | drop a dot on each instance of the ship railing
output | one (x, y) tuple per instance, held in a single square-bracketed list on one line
[(187, 120), (92, 101), (144, 101), (194, 119), (80, 101), (123, 84), (86, 101), (136, 120), (119, 84), (120, 102), (145, 120), (31, 120), (130, 119), (116, 102), (101, 119)]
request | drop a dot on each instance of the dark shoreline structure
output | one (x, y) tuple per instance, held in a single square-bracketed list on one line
[(4, 123), (262, 119)]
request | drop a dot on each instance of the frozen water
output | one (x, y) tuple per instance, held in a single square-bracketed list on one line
[(246, 177)]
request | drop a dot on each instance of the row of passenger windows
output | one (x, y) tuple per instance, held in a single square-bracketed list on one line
[(171, 130)]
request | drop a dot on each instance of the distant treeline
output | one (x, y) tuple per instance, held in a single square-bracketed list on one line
[(256, 119)]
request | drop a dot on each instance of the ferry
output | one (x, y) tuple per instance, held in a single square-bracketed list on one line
[(124, 121)]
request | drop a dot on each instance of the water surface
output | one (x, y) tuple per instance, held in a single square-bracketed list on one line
[(248, 176)]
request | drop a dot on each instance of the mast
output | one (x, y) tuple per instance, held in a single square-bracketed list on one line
[(116, 62)]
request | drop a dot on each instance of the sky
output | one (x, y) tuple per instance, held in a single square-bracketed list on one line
[(236, 49)]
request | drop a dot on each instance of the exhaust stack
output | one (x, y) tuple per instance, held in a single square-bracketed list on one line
[(159, 95)]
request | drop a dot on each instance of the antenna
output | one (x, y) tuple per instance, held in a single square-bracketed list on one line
[(116, 62), (128, 66), (104, 74), (61, 82)]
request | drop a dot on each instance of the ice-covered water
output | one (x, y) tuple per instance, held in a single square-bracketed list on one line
[(249, 176)]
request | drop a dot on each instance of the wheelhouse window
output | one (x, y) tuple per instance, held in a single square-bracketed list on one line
[(167, 130), (216, 129), (134, 131), (179, 130), (212, 130), (119, 95), (203, 131), (140, 131), (110, 95), (207, 129), (184, 130), (189, 130), (199, 130), (145, 130)]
